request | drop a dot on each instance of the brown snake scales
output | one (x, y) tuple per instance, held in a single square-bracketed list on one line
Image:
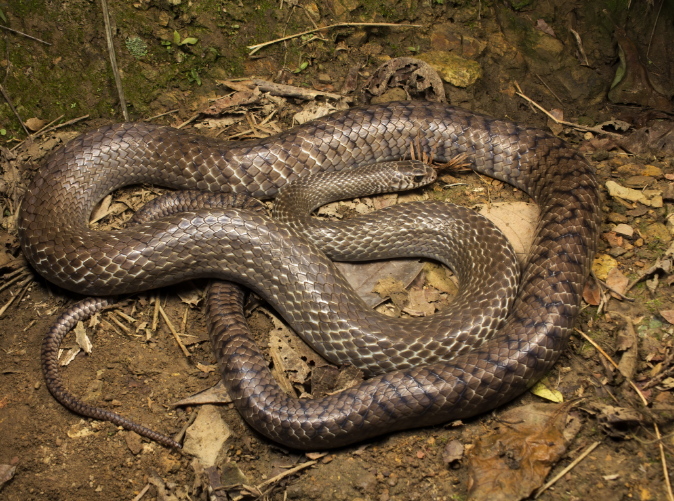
[(452, 383)]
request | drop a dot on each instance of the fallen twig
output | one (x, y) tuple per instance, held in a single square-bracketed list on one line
[(46, 128), (11, 105), (113, 60), (596, 130), (142, 493), (567, 469), (655, 24), (24, 285), (285, 474), (551, 91), (160, 115), (255, 48), (670, 495), (636, 388), (175, 334), (29, 36), (281, 89), (581, 51)]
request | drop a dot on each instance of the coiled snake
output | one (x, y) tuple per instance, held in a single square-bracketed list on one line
[(56, 240)]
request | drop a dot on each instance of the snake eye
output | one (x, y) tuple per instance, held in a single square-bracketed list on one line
[(418, 179)]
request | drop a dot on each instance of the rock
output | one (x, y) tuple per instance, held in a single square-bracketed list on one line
[(133, 442), (600, 155), (395, 94), (639, 181), (624, 229), (445, 38), (324, 78), (342, 7), (656, 231), (206, 436), (614, 217), (453, 69), (602, 265), (581, 83), (617, 251), (168, 464), (231, 474)]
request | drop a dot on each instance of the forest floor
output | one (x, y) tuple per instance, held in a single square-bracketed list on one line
[(173, 57)]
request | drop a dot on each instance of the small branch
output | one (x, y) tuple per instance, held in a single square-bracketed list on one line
[(255, 48), (16, 113), (579, 43), (45, 130), (604, 284), (24, 285), (42, 41), (282, 90), (175, 334), (670, 496), (142, 493), (38, 133), (567, 469), (160, 115), (285, 474), (113, 59), (643, 399), (657, 18), (596, 130), (551, 91)]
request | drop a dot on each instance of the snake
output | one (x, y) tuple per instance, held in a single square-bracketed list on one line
[(58, 243)]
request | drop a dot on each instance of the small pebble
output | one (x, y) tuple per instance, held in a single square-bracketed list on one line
[(624, 229), (37, 385), (617, 251)]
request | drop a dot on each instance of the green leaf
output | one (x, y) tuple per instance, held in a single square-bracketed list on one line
[(195, 76), (190, 41), (165, 42), (303, 66), (176, 38), (2, 15), (3, 132)]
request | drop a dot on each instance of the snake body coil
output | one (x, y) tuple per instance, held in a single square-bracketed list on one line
[(57, 242)]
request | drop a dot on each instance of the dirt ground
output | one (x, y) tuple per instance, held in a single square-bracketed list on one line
[(187, 48)]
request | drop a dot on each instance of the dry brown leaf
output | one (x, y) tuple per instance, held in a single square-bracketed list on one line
[(216, 394), (517, 221), (363, 277), (35, 124), (453, 452), (591, 293), (617, 281), (514, 461), (668, 315), (237, 99)]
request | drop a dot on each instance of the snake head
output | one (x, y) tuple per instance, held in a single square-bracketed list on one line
[(410, 174)]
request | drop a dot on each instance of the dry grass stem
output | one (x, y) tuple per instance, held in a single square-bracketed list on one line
[(255, 48)]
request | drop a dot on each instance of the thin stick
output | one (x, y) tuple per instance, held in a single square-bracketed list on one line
[(44, 130), (255, 48), (142, 493), (670, 495), (604, 284), (160, 115), (24, 285), (33, 136), (567, 469), (15, 279), (155, 316), (175, 334), (579, 42), (16, 113), (47, 43), (655, 24), (551, 91), (113, 60), (563, 122), (285, 474), (643, 399), (189, 121)]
